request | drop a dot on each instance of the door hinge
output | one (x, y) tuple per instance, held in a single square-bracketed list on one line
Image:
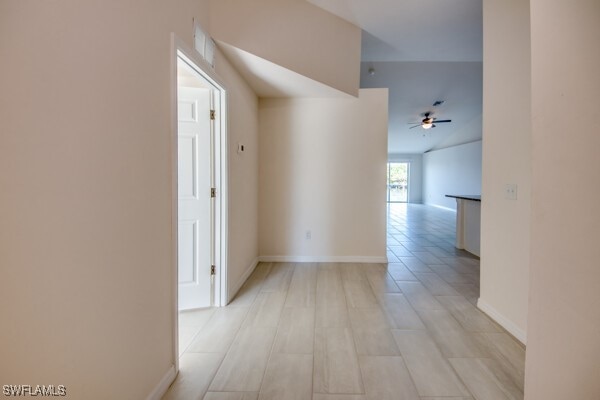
[(212, 270), (212, 115), (213, 192)]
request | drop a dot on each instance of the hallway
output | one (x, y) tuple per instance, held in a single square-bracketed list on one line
[(330, 331)]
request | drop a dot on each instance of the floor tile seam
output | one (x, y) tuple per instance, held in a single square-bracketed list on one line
[(457, 323), (502, 355), (412, 380), (312, 377), (481, 313), (457, 375), (214, 375), (190, 342), (229, 391), (237, 334), (487, 371), (262, 280), (436, 296), (510, 335), (435, 343), (510, 376), (211, 308), (207, 323), (446, 360), (438, 345), (271, 352), (362, 378)]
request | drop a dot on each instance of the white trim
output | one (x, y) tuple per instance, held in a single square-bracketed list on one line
[(162, 387), (219, 247), (242, 280), (179, 49), (340, 259), (506, 323), (174, 203)]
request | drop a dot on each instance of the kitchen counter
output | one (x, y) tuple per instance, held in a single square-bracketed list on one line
[(468, 222)]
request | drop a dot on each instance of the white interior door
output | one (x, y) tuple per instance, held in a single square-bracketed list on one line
[(195, 172)]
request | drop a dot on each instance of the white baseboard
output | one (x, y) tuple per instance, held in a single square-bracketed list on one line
[(340, 259), (242, 280), (507, 324), (162, 386)]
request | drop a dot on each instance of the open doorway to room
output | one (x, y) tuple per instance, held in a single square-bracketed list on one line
[(397, 182), (199, 220)]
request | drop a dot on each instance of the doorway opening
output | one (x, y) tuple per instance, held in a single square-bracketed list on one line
[(199, 192), (397, 182)]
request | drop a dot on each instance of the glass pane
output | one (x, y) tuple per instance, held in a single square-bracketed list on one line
[(387, 179), (398, 182)]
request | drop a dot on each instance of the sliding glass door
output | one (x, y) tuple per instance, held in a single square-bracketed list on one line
[(397, 182)]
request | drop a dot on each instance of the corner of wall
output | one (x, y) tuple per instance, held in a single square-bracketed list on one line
[(505, 222)]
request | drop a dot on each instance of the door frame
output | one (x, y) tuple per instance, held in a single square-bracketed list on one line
[(179, 49)]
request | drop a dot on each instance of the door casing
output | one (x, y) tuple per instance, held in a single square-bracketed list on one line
[(180, 49)]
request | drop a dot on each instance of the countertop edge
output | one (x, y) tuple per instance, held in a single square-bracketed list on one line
[(465, 197)]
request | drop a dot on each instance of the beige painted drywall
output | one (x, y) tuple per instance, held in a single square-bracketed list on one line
[(85, 199), (563, 351), (506, 159), (322, 168), (242, 177), (294, 34)]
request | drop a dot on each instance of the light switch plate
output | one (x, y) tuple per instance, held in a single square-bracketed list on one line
[(510, 191)]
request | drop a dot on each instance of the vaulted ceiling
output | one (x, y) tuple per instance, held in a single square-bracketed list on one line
[(423, 51)]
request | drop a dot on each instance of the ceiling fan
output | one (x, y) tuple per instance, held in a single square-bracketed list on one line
[(428, 122)]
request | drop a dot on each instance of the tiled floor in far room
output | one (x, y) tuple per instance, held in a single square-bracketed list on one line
[(328, 331)]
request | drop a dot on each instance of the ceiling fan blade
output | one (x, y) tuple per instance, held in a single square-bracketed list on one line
[(416, 126), (442, 120)]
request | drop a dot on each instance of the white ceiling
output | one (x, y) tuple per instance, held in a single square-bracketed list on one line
[(413, 88), (414, 30), (268, 79), (423, 51)]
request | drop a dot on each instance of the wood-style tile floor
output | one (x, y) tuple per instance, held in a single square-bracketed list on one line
[(327, 331)]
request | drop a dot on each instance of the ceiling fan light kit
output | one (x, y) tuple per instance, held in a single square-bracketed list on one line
[(429, 122)]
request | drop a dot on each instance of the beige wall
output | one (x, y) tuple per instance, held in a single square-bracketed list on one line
[(453, 170), (242, 177), (563, 353), (294, 34), (85, 205), (323, 165), (505, 224)]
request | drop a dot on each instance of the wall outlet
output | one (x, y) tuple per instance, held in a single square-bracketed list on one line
[(241, 148), (510, 191), (308, 235)]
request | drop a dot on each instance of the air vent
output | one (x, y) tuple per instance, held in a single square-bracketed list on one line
[(204, 44)]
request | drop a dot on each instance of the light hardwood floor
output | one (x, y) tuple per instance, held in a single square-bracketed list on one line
[(327, 331)]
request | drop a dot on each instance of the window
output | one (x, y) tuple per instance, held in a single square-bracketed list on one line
[(397, 182), (204, 45)]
